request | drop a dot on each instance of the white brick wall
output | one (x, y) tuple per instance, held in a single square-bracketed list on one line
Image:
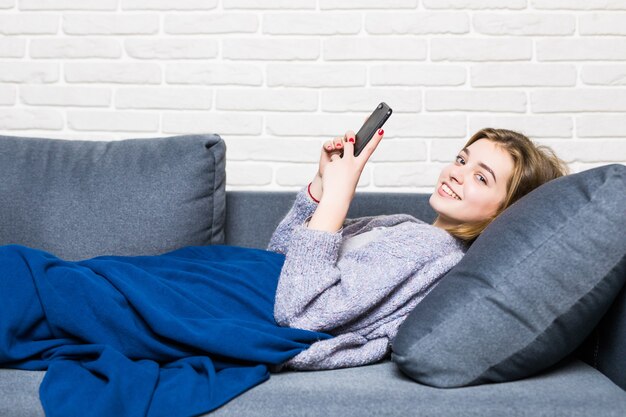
[(276, 78)]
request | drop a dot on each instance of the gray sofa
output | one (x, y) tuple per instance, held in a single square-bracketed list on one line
[(588, 382)]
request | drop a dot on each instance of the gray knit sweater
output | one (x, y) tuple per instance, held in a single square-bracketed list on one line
[(362, 296)]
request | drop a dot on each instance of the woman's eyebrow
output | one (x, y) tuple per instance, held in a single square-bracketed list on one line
[(482, 164)]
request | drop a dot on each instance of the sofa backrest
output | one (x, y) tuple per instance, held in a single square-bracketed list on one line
[(252, 216)]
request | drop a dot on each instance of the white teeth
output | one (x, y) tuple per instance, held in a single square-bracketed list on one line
[(449, 191)]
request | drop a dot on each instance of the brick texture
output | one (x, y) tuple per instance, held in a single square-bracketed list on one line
[(277, 78)]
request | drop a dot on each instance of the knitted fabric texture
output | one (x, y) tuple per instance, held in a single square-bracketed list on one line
[(362, 296)]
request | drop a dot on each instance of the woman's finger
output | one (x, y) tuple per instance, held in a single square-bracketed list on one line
[(333, 144), (338, 143), (336, 155), (371, 146), (349, 143)]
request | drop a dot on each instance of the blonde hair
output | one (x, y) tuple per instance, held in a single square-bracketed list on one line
[(532, 166)]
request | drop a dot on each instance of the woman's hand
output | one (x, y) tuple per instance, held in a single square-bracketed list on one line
[(329, 148), (339, 179)]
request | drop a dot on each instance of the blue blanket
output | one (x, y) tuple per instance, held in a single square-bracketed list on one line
[(177, 334)]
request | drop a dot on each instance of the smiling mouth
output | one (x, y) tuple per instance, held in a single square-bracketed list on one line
[(447, 191)]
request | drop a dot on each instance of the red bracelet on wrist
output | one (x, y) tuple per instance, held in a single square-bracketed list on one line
[(311, 195)]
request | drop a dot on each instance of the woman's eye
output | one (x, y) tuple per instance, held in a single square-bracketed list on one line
[(481, 177)]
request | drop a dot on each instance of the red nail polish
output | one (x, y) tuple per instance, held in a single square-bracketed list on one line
[(380, 132), (351, 140)]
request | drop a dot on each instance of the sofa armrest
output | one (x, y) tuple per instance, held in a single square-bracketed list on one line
[(605, 348)]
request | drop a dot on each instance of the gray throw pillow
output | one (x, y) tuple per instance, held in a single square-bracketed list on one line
[(528, 291), (79, 199)]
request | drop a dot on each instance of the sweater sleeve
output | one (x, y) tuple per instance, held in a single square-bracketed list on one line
[(320, 292), (306, 279), (303, 207)]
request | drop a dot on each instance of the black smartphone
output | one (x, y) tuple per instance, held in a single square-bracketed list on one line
[(376, 120)]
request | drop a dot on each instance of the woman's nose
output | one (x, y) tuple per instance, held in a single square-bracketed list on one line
[(456, 174)]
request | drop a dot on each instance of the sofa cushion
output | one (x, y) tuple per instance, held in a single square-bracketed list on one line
[(528, 291), (572, 390), (79, 199)]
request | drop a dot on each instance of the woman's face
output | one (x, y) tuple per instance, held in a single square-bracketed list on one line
[(478, 192)]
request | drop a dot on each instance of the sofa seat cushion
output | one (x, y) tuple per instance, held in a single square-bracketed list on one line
[(79, 199), (378, 390), (572, 390)]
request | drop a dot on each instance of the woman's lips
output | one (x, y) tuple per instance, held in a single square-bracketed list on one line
[(443, 193)]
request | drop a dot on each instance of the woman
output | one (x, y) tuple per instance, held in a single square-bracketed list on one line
[(182, 333), (358, 279)]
